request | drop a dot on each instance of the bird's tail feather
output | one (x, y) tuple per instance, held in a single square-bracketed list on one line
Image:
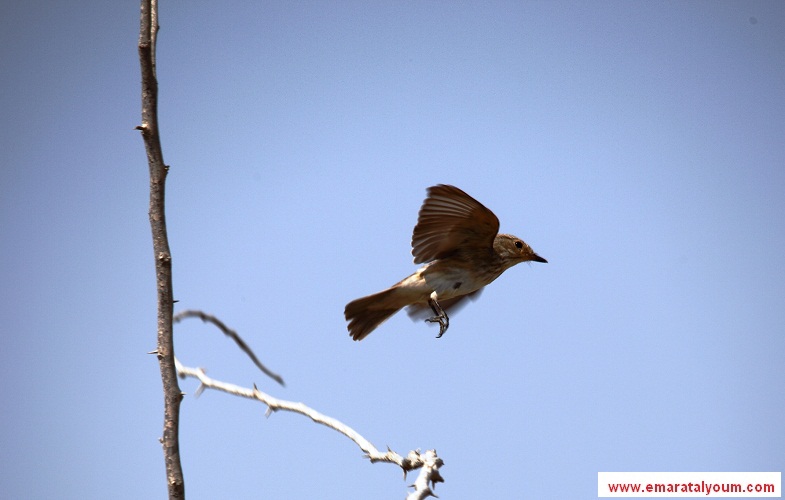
[(366, 313)]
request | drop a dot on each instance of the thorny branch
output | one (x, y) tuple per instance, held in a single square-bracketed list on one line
[(428, 462), (148, 28)]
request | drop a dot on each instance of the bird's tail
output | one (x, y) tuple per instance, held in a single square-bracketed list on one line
[(366, 313)]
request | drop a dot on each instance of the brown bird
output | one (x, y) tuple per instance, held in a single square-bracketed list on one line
[(457, 238)]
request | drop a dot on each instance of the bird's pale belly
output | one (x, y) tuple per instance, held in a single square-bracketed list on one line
[(446, 281)]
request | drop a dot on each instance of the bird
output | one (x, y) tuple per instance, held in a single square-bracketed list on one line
[(457, 240)]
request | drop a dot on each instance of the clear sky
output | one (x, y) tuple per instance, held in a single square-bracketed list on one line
[(638, 146)]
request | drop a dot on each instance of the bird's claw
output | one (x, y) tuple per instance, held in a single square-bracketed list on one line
[(444, 323), (441, 316)]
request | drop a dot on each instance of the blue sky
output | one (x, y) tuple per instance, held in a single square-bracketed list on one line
[(638, 146)]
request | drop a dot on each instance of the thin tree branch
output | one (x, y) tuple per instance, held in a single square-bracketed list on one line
[(209, 318), (428, 477), (148, 28), (429, 462)]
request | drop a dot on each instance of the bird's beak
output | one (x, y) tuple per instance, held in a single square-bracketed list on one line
[(537, 258)]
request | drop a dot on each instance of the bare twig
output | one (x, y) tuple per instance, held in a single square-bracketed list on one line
[(428, 476), (429, 461), (148, 28), (209, 318)]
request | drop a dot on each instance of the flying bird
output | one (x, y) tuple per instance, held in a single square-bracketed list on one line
[(458, 241)]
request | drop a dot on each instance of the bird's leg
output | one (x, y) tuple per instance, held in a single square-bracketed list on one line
[(441, 316)]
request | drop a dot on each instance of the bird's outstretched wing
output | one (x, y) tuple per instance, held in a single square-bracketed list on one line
[(449, 219)]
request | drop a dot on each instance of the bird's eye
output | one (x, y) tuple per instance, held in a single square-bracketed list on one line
[(519, 244)]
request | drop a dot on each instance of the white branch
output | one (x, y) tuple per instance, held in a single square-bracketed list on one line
[(429, 462), (428, 476)]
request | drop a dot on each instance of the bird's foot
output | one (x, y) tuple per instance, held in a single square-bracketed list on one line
[(441, 316), (444, 323)]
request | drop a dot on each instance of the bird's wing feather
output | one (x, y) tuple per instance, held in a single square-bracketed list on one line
[(449, 219)]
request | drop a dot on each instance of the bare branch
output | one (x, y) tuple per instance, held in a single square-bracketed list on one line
[(429, 462), (209, 318), (428, 477), (148, 27)]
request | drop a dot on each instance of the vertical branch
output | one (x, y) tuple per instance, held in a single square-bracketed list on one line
[(163, 261)]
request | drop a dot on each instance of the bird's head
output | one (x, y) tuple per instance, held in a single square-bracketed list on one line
[(514, 250)]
